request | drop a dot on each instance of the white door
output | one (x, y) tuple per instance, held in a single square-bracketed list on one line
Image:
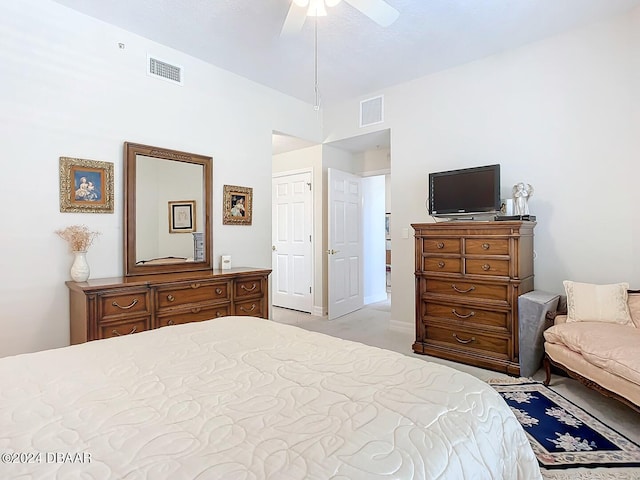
[(344, 243), (291, 234)]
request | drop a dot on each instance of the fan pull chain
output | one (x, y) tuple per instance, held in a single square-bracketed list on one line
[(316, 105)]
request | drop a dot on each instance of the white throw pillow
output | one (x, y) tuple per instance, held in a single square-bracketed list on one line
[(587, 302)]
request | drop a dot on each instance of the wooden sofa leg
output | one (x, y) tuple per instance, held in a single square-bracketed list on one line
[(547, 370)]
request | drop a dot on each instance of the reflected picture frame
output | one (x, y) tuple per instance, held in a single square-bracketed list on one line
[(182, 216), (237, 205), (86, 186)]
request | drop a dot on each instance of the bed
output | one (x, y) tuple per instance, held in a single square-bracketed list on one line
[(248, 398)]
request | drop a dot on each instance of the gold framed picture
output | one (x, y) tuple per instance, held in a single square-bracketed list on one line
[(237, 205), (182, 216), (86, 186)]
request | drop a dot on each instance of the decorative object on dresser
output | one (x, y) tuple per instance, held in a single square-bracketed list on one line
[(237, 205), (112, 307), (80, 239), (468, 279), (86, 186), (522, 192)]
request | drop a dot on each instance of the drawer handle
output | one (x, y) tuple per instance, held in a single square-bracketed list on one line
[(171, 298), (196, 310), (218, 314), (170, 322), (470, 289), (469, 315), (133, 304), (485, 246), (195, 285), (440, 264), (440, 245), (117, 333), (218, 291), (253, 287), (253, 307), (486, 267), (460, 340)]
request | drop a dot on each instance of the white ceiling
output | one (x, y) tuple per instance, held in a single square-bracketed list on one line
[(356, 56)]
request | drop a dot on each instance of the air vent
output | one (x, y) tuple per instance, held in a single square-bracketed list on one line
[(371, 111), (163, 70)]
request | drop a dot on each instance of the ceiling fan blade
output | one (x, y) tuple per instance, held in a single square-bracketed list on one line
[(294, 21), (377, 10)]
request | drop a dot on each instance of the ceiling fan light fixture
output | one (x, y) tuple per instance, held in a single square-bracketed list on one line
[(317, 9), (331, 3), (301, 3)]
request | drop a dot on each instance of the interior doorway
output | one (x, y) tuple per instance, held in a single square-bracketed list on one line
[(292, 241)]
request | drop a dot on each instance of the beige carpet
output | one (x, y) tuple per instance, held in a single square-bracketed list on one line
[(370, 326)]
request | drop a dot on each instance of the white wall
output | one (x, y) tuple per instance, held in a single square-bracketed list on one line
[(68, 90), (561, 114)]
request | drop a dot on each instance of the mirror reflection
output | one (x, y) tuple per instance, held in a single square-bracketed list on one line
[(169, 209)]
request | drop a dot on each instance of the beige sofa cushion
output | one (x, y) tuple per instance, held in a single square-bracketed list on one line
[(587, 302), (612, 347)]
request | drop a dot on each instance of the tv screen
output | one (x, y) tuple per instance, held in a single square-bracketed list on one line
[(465, 191)]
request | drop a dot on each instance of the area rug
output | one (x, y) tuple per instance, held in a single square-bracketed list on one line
[(568, 442)]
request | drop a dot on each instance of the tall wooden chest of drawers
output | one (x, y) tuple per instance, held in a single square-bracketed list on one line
[(468, 278), (110, 307)]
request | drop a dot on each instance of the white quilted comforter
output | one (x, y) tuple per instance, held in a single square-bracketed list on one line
[(245, 398)]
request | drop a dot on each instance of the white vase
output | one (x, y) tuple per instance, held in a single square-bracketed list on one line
[(80, 267)]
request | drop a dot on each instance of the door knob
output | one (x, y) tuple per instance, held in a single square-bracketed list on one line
[(332, 252), (273, 247)]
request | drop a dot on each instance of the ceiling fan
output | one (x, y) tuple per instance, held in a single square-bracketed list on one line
[(377, 10)]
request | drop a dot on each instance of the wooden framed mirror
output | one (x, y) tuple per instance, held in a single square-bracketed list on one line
[(167, 210)]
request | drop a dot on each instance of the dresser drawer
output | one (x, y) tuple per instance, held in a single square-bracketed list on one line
[(118, 302), (196, 314), (487, 266), (252, 308), (118, 329), (193, 292), (248, 287), (441, 245), (439, 264), (486, 246), (465, 315), (467, 339), (467, 289)]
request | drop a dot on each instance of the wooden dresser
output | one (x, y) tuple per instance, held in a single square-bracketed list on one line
[(468, 279), (108, 307)]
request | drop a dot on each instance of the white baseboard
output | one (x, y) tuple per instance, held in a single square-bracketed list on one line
[(403, 327), (317, 311)]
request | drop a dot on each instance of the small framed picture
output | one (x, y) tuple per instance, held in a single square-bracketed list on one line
[(86, 186), (237, 205), (182, 216)]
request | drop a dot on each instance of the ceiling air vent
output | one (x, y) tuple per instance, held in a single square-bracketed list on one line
[(371, 111), (163, 70)]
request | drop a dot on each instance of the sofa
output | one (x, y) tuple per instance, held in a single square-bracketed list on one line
[(597, 340)]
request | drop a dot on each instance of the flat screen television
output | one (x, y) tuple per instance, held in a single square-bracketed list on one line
[(465, 191)]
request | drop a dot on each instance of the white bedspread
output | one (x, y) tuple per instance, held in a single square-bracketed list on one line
[(247, 398)]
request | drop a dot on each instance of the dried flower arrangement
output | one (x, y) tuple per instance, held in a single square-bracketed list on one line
[(79, 237)]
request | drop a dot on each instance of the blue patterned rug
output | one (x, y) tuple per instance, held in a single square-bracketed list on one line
[(563, 436)]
